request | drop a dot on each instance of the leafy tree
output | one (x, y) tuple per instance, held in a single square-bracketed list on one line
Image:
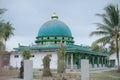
[(6, 30), (61, 63), (109, 29), (109, 49), (96, 47), (26, 54)]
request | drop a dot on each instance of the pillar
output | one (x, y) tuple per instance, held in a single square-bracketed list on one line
[(105, 61), (93, 61), (79, 61), (84, 69), (71, 60), (28, 70), (67, 60), (98, 60), (102, 61)]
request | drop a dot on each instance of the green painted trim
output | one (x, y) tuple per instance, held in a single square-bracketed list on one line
[(48, 40), (98, 60), (79, 61), (69, 48), (93, 58), (74, 59), (53, 36), (102, 61)]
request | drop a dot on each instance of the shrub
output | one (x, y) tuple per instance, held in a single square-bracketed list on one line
[(26, 54)]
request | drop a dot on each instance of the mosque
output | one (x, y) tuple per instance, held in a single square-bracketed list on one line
[(50, 35)]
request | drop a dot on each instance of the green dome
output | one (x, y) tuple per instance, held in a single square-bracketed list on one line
[(53, 32), (54, 28)]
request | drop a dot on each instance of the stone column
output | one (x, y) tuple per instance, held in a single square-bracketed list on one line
[(84, 69), (28, 70), (71, 60)]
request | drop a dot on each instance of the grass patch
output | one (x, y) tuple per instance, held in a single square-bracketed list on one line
[(111, 75)]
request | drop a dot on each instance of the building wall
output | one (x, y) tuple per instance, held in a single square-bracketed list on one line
[(113, 57), (14, 60), (36, 58)]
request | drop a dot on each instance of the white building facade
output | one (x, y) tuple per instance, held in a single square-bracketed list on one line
[(37, 57), (113, 59)]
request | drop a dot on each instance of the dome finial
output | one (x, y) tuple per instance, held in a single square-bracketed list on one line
[(54, 16)]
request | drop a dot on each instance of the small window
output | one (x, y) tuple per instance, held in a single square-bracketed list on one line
[(55, 37), (33, 55), (16, 56), (48, 38), (55, 42)]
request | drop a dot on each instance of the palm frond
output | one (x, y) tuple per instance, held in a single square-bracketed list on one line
[(2, 10), (103, 40), (113, 14), (104, 27), (101, 15), (108, 22), (98, 33)]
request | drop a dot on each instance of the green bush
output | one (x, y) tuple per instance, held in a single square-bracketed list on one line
[(26, 54)]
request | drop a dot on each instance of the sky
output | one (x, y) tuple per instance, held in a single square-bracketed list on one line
[(27, 16)]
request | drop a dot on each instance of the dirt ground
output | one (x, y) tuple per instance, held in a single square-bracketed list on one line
[(95, 75)]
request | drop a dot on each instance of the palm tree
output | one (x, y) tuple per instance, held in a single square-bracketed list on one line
[(61, 58), (109, 29), (1, 36), (2, 11), (6, 31)]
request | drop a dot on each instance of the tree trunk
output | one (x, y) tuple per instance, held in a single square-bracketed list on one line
[(117, 52), (61, 63), (1, 61), (46, 65), (22, 70)]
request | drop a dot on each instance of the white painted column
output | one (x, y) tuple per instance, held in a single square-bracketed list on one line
[(84, 69), (71, 60), (28, 70)]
